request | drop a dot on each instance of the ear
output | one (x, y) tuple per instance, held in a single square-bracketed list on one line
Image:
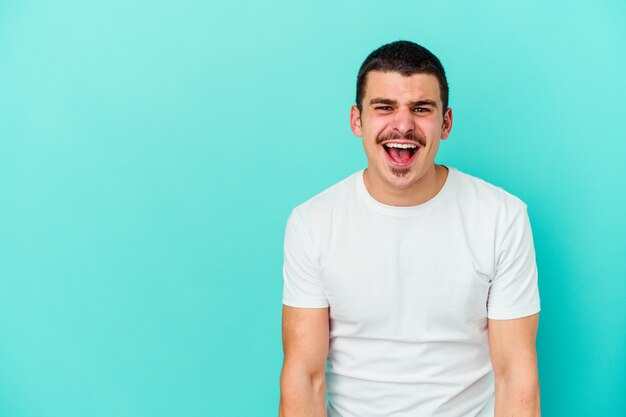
[(447, 124), (355, 121)]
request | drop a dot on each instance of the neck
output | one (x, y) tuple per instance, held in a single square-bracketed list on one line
[(418, 193)]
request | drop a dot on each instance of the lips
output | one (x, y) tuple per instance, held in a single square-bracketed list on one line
[(401, 153)]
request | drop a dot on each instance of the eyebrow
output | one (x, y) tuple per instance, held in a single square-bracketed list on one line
[(388, 101)]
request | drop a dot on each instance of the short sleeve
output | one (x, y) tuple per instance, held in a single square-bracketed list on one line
[(302, 284), (514, 291)]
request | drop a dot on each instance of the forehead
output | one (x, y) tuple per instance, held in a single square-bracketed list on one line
[(396, 86)]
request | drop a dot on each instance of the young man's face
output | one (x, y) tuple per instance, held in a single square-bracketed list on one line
[(401, 124)]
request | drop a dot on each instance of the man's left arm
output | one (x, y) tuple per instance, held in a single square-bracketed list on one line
[(512, 345)]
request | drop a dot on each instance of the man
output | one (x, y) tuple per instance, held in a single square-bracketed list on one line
[(410, 288)]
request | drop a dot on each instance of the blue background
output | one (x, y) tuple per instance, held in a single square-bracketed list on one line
[(150, 153)]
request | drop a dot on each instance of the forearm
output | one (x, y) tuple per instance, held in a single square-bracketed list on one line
[(302, 395), (517, 398)]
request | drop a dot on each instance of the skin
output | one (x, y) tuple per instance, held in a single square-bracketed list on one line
[(512, 346), (413, 110), (306, 334), (408, 107)]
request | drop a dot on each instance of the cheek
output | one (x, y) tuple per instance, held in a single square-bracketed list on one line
[(374, 131), (432, 127)]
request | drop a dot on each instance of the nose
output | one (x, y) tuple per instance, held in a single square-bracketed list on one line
[(403, 121)]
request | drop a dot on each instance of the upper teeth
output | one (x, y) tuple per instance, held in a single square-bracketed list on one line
[(400, 145)]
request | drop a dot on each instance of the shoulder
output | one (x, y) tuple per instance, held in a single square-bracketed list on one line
[(486, 196), (491, 213), (327, 201), (322, 216)]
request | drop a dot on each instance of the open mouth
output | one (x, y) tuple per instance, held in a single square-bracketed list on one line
[(401, 153)]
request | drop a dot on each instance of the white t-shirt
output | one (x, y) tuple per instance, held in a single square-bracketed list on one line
[(410, 290)]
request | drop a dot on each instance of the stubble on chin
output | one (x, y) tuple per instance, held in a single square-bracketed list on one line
[(400, 172)]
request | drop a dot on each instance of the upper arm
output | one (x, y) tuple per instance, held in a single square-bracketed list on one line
[(305, 339), (512, 345), (303, 286), (514, 290)]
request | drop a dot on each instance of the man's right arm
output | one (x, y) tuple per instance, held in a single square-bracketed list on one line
[(305, 346)]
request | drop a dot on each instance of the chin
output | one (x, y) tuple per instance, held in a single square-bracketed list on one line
[(398, 177), (401, 181)]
